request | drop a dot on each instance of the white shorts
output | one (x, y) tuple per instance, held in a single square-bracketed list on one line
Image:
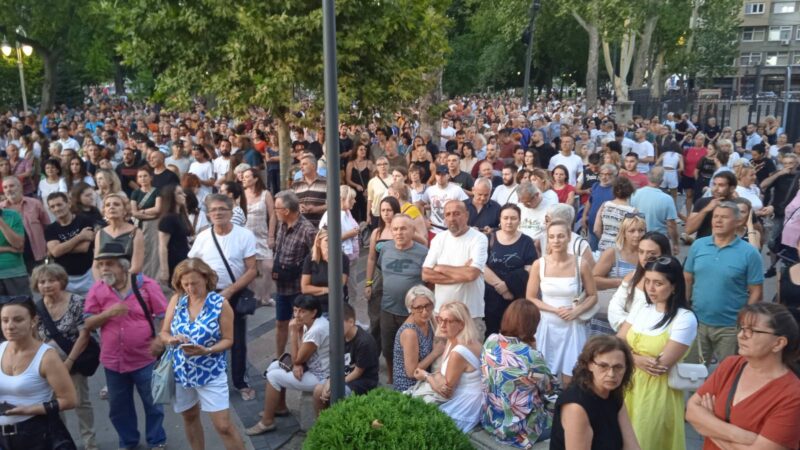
[(213, 397), (670, 179), (281, 379)]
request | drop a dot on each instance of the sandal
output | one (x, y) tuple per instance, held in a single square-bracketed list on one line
[(104, 393), (248, 394), (260, 428)]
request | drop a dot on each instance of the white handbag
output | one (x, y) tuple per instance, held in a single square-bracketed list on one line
[(687, 376)]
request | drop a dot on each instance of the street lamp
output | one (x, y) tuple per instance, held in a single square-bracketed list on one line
[(23, 49)]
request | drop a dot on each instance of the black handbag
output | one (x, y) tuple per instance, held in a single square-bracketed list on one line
[(87, 362), (285, 273), (243, 302)]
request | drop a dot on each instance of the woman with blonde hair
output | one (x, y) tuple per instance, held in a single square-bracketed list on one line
[(263, 223), (350, 245), (107, 182), (314, 281), (146, 211), (458, 380), (117, 211)]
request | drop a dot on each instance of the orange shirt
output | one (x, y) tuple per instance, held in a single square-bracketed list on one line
[(772, 412)]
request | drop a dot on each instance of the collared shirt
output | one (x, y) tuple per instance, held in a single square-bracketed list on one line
[(721, 278), (126, 338), (21, 166), (488, 216), (34, 218), (293, 244), (314, 193)]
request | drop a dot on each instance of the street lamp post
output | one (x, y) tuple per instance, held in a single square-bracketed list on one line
[(23, 49)]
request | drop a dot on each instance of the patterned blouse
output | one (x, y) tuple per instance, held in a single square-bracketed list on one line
[(520, 391), (204, 330), (69, 325), (401, 381)]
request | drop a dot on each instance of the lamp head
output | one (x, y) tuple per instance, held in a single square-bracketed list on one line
[(5, 47), (27, 49)]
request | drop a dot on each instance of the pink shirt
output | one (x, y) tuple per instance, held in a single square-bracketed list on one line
[(34, 219), (125, 345)]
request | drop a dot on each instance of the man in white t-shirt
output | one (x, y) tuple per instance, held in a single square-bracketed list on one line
[(645, 150), (222, 163), (506, 192), (447, 132), (568, 159), (67, 143), (204, 169), (238, 244), (455, 264), (533, 208), (439, 194)]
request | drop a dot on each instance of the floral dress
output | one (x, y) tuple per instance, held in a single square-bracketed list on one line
[(519, 390)]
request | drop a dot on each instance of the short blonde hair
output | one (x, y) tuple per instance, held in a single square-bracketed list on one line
[(624, 225), (54, 271), (419, 290), (346, 192), (316, 251), (195, 265), (122, 198), (469, 334)]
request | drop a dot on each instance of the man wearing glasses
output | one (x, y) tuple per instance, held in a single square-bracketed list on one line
[(600, 193), (723, 273), (226, 242)]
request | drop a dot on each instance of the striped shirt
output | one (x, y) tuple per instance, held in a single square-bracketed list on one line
[(314, 193)]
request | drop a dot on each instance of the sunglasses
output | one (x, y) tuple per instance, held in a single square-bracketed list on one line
[(631, 215)]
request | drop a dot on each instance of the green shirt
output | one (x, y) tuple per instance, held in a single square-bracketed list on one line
[(12, 264)]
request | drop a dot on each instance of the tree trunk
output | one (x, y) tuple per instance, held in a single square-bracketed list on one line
[(642, 51), (592, 61), (285, 149), (119, 76), (627, 47), (429, 123), (657, 84), (50, 64)]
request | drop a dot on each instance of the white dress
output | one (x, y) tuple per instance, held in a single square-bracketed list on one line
[(464, 407), (560, 341)]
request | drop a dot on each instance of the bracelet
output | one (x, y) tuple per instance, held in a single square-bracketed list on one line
[(368, 283)]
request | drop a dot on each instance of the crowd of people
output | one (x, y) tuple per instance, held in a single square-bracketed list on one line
[(522, 271)]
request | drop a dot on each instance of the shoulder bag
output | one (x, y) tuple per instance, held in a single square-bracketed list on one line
[(243, 302), (87, 362), (586, 315), (687, 376), (162, 385)]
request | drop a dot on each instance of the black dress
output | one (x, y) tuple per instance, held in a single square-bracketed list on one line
[(178, 244), (790, 293), (360, 177), (602, 413), (508, 263)]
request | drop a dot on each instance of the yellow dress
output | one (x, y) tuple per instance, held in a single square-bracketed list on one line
[(656, 410)]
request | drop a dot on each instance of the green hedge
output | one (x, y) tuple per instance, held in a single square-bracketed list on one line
[(385, 419)]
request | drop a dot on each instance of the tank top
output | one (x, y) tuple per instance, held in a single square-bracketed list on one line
[(27, 388), (124, 239), (671, 160), (258, 223), (360, 176), (621, 267), (790, 293), (203, 330)]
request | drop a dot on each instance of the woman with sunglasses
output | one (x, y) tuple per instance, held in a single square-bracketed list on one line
[(415, 344), (659, 333), (34, 384), (458, 380), (751, 400), (612, 212)]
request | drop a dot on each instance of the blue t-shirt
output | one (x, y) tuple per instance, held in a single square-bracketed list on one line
[(656, 206), (600, 194), (721, 278)]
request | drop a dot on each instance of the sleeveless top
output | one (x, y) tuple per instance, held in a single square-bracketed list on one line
[(790, 293), (612, 217), (557, 291), (360, 176), (124, 239), (204, 330), (671, 160), (401, 381), (258, 223), (27, 388), (621, 267)]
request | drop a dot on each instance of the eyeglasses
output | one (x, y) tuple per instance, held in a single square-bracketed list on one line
[(418, 309), (631, 215), (747, 332), (616, 368), (447, 322)]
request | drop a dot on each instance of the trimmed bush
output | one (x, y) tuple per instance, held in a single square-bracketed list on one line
[(385, 419)]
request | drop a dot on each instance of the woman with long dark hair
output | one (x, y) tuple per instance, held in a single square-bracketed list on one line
[(262, 222), (82, 201), (357, 177), (373, 289), (659, 334), (174, 231)]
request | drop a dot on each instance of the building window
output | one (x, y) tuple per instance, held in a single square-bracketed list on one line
[(777, 59), (796, 59), (750, 59), (783, 33), (753, 34), (783, 8), (754, 8), (798, 34)]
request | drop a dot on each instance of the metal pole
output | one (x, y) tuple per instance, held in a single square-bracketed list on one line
[(335, 300), (22, 80), (787, 88), (529, 54)]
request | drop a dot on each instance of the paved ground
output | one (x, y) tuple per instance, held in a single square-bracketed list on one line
[(261, 349)]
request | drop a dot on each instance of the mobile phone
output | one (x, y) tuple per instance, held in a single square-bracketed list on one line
[(285, 362), (5, 406)]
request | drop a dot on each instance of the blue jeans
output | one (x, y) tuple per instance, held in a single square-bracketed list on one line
[(122, 409)]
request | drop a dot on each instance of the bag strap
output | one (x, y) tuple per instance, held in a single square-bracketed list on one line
[(50, 325), (577, 253), (731, 393), (139, 297), (222, 255)]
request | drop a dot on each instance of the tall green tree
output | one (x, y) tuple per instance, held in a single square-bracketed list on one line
[(249, 52)]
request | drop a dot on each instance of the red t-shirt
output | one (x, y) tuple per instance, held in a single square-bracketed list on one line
[(563, 193), (639, 180), (772, 412), (691, 158)]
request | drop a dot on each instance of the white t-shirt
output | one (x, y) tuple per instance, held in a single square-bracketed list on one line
[(348, 223), (573, 163), (221, 166), (505, 194), (46, 189), (456, 251), (447, 134), (682, 329), (438, 196), (319, 334), (644, 149), (70, 144), (627, 145), (237, 245), (204, 171), (532, 219)]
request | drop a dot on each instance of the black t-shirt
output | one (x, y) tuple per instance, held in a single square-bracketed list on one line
[(705, 227), (543, 154), (361, 351), (315, 148), (705, 169), (602, 413), (780, 190), (178, 244), (75, 264), (463, 180), (764, 169), (319, 276), (127, 174), (165, 178)]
